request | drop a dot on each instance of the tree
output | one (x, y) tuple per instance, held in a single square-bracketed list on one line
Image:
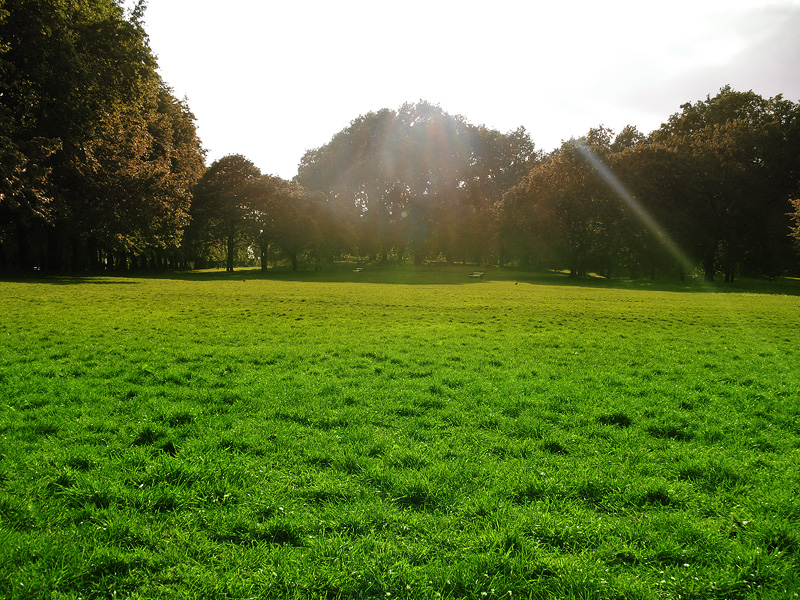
[(500, 162), (222, 204), (419, 179), (795, 216), (297, 226), (567, 208), (100, 155), (747, 152), (283, 216), (658, 231)]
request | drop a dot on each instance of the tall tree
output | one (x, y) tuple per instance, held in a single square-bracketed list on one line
[(223, 202), (297, 223), (98, 136), (417, 179), (747, 149), (658, 231), (281, 215), (566, 206)]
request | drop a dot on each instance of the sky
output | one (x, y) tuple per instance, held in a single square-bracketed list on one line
[(272, 79)]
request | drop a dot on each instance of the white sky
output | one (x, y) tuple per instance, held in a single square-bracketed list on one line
[(272, 79)]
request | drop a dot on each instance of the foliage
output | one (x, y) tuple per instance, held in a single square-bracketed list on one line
[(100, 161), (747, 150), (418, 179), (795, 215), (223, 200), (97, 151), (564, 202), (235, 205), (709, 189)]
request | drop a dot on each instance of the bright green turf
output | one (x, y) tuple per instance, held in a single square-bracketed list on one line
[(339, 435)]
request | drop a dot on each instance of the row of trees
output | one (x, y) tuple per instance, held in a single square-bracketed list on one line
[(413, 182), (101, 168), (710, 190), (98, 157)]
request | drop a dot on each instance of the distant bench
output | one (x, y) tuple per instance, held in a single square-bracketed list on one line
[(477, 274)]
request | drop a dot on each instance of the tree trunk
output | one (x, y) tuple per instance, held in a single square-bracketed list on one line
[(231, 252), (264, 264), (23, 247), (708, 268), (293, 258), (53, 254), (91, 251)]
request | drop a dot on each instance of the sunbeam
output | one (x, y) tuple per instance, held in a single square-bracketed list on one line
[(645, 217)]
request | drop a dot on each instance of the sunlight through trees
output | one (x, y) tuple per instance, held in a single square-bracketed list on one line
[(102, 169)]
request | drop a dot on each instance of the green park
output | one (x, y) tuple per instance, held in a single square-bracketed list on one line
[(437, 363)]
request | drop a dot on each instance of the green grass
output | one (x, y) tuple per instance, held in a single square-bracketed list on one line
[(343, 435)]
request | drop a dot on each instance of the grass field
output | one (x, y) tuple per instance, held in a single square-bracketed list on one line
[(398, 433)]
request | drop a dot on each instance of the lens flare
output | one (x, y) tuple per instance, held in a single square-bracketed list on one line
[(641, 213)]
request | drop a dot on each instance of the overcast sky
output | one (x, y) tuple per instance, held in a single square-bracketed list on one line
[(272, 79)]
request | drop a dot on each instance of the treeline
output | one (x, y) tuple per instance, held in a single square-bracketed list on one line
[(98, 158), (102, 169), (709, 191)]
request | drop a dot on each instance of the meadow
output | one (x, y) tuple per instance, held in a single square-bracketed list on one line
[(398, 433)]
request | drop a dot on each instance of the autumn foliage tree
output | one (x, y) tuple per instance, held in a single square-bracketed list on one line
[(223, 205), (418, 180), (99, 157)]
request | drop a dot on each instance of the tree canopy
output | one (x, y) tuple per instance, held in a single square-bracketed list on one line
[(710, 189), (419, 180), (102, 168), (99, 157)]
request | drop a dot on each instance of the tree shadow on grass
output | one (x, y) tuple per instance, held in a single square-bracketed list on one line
[(440, 274), (100, 279), (428, 274)]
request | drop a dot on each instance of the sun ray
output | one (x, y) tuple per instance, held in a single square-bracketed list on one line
[(641, 213)]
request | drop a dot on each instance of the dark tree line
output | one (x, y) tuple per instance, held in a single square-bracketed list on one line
[(711, 191), (101, 169), (238, 214), (98, 157), (717, 181)]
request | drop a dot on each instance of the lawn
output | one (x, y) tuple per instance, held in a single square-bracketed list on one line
[(398, 433)]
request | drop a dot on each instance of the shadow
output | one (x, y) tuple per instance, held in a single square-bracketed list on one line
[(109, 279), (782, 286), (339, 273), (421, 275)]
